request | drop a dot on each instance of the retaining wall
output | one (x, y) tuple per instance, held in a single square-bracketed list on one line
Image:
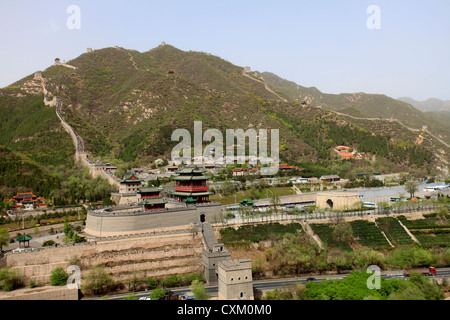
[(108, 224)]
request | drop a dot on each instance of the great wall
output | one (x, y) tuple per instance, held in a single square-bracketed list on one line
[(81, 155), (159, 252), (245, 72)]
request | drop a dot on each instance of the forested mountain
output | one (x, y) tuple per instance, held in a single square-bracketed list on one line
[(360, 105), (126, 104)]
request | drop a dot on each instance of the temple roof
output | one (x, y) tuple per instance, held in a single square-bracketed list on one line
[(153, 201), (25, 237), (184, 178), (130, 177), (190, 170), (149, 189)]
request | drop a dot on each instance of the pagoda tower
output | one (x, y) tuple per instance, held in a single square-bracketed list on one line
[(191, 185)]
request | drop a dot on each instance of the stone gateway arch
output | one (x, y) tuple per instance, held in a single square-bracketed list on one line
[(338, 200)]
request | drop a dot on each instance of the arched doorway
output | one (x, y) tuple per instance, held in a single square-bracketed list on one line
[(330, 203)]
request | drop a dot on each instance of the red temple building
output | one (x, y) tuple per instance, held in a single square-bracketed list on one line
[(151, 198), (191, 185), (27, 199)]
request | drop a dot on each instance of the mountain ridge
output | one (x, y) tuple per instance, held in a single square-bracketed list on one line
[(125, 104)]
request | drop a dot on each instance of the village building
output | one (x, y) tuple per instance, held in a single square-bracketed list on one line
[(151, 199), (236, 172), (139, 171), (130, 183), (330, 178), (191, 186), (110, 168), (172, 168), (284, 167)]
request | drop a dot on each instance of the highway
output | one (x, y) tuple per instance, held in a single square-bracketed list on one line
[(271, 284)]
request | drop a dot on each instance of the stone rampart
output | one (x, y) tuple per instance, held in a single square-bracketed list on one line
[(101, 224)]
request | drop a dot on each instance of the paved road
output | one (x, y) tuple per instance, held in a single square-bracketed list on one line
[(271, 284), (384, 194), (369, 194)]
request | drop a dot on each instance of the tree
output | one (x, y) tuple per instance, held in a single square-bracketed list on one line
[(4, 235), (48, 243), (97, 281), (198, 288), (411, 187), (151, 283), (157, 294), (59, 277), (343, 233)]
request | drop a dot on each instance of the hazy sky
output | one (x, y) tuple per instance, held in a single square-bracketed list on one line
[(326, 44)]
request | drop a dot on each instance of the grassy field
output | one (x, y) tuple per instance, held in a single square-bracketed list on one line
[(247, 194), (394, 231)]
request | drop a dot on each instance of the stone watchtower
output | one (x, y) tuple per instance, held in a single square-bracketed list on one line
[(235, 279), (210, 260), (38, 75)]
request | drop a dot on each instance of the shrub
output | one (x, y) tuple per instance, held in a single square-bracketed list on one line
[(151, 283), (131, 296), (59, 277), (10, 279), (409, 257), (31, 283), (97, 281), (172, 281), (48, 243)]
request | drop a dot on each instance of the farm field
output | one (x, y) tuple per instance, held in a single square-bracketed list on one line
[(325, 233), (394, 231), (245, 235), (368, 234), (430, 231)]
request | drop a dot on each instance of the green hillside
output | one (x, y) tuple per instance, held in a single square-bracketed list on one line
[(20, 174), (126, 104), (33, 129)]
